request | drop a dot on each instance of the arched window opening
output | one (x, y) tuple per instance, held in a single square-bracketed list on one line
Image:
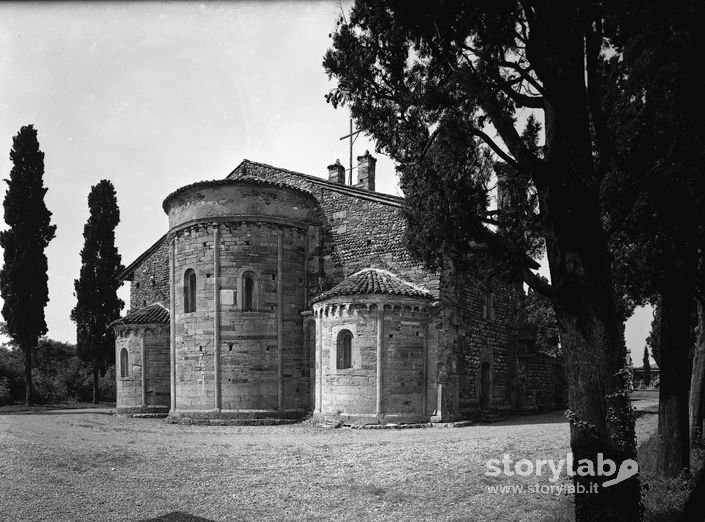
[(189, 291), (248, 288), (124, 368), (344, 352)]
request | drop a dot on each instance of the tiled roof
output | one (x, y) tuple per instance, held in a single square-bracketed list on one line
[(373, 281), (152, 314), (248, 168)]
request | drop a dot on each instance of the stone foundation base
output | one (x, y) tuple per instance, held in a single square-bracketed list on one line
[(236, 417), (142, 410), (361, 419)]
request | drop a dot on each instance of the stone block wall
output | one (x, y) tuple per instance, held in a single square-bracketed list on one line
[(542, 380), (349, 392), (474, 334), (361, 229), (407, 350), (158, 367), (146, 386), (129, 388), (249, 352), (150, 281), (405, 364)]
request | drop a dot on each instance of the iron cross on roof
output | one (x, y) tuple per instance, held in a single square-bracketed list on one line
[(353, 136)]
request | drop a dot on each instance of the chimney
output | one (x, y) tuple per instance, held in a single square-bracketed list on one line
[(366, 171), (336, 173), (504, 193)]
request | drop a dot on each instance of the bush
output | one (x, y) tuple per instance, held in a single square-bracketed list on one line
[(58, 375), (108, 386), (5, 393), (12, 374), (47, 388)]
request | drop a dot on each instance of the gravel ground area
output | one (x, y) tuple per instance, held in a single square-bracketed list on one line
[(91, 465)]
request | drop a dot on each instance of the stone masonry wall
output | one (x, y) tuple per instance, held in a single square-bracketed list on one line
[(351, 394), (361, 229), (129, 388), (477, 336), (150, 281), (158, 367), (352, 391), (542, 383), (404, 354), (248, 339), (155, 339)]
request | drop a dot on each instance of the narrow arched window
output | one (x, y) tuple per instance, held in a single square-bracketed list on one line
[(189, 291), (124, 368), (248, 289), (344, 351)]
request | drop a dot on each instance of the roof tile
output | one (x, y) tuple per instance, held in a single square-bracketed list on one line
[(153, 314), (373, 281)]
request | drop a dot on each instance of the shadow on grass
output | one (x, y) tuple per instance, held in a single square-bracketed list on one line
[(106, 408), (553, 417), (177, 516)]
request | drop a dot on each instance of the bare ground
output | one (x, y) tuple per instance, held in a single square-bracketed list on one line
[(91, 465)]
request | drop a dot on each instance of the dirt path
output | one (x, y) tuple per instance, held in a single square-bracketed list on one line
[(95, 466)]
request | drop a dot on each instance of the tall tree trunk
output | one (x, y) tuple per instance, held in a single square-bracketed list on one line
[(697, 381), (601, 418), (677, 301), (27, 374), (594, 352), (96, 386)]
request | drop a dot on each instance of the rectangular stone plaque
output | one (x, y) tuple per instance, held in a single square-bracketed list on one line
[(227, 297)]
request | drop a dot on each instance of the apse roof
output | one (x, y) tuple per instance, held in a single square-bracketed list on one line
[(153, 314), (373, 281)]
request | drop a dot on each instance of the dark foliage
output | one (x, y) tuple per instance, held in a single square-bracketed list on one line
[(59, 375), (96, 289), (654, 196), (23, 279), (540, 313), (426, 79)]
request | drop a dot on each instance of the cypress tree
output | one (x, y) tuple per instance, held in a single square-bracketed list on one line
[(96, 289), (23, 279), (647, 367)]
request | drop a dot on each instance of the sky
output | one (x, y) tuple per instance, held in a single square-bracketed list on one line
[(156, 95)]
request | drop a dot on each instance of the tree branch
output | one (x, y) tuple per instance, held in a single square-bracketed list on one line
[(537, 284), (504, 123), (523, 100), (524, 73), (497, 150)]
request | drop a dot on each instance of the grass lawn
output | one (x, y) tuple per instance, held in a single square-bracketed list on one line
[(92, 465)]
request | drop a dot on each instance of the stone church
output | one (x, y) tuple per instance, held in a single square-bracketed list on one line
[(277, 295)]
